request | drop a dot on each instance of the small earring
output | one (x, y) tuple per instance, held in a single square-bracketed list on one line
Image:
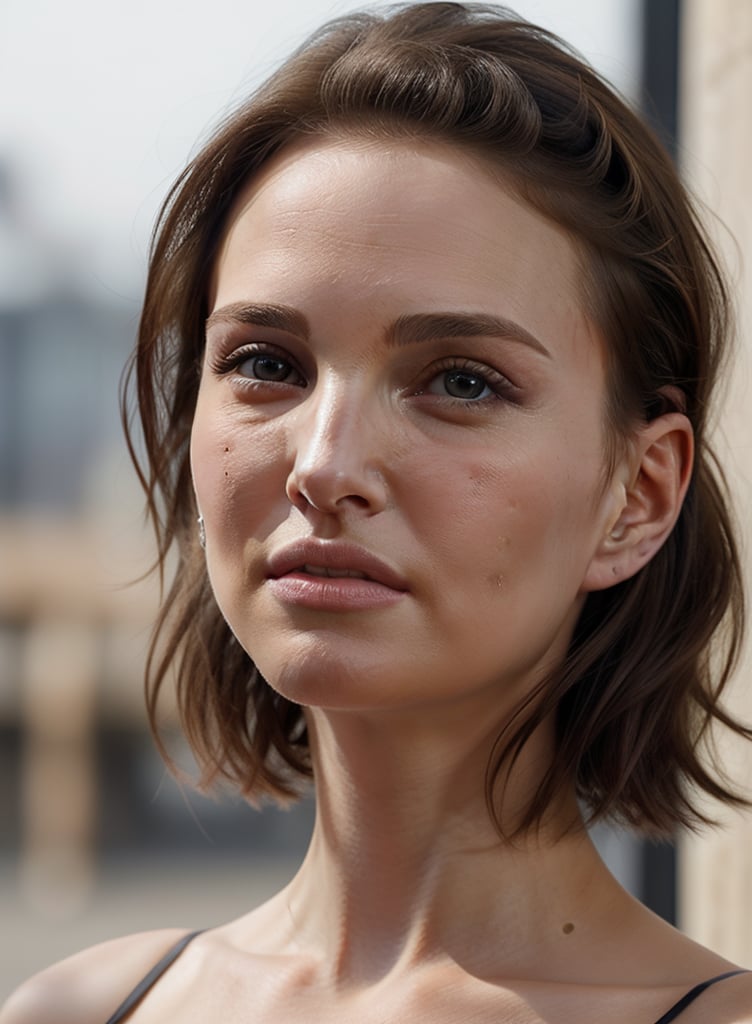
[(201, 532)]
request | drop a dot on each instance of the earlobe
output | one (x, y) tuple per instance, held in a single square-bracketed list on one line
[(658, 470)]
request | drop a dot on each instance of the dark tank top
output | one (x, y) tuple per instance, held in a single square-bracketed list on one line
[(138, 993)]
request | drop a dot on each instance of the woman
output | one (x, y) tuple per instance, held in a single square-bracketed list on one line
[(423, 373)]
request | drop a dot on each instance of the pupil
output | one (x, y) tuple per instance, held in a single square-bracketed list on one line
[(266, 368), (461, 384)]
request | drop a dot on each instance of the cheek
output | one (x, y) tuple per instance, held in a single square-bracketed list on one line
[(239, 482), (211, 465), (509, 522)]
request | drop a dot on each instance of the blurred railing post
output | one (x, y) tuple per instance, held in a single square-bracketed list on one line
[(716, 158), (58, 795), (61, 589)]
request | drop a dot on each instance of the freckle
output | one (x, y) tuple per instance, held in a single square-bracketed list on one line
[(568, 928)]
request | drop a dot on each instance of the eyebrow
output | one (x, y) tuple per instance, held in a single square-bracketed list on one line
[(262, 314), (412, 328), (420, 327)]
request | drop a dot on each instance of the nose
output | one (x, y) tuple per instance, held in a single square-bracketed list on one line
[(339, 453)]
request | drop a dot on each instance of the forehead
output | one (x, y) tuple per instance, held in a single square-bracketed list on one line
[(416, 224)]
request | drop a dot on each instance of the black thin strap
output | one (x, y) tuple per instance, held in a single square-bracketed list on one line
[(154, 974), (693, 993)]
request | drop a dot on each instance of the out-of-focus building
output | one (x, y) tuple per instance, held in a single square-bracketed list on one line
[(60, 353)]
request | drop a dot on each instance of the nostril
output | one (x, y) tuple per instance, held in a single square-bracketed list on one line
[(332, 491), (357, 500), (298, 498)]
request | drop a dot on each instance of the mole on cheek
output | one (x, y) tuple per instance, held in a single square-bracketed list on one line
[(568, 928)]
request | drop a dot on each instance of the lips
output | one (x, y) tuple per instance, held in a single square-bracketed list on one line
[(322, 570), (333, 560)]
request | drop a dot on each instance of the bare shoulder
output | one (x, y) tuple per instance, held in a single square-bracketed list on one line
[(729, 1002), (88, 987)]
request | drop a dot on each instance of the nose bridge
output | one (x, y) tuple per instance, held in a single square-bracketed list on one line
[(337, 443), (327, 426)]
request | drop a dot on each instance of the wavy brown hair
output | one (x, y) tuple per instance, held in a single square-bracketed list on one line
[(643, 679)]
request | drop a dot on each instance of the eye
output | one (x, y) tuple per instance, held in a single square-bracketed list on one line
[(466, 382), (467, 385), (256, 365), (462, 383), (270, 368)]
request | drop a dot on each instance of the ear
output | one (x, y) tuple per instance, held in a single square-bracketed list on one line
[(654, 477)]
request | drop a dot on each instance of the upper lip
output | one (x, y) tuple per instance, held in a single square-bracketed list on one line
[(333, 555)]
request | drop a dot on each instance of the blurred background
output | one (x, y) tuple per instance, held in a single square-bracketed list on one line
[(101, 105)]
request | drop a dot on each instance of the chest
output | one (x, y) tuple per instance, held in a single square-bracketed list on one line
[(269, 996)]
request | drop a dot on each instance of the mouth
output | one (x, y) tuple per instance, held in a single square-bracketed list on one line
[(333, 575)]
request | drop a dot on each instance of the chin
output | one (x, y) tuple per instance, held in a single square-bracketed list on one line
[(333, 687), (319, 679)]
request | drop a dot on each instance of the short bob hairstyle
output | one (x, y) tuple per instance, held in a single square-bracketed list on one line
[(642, 680)]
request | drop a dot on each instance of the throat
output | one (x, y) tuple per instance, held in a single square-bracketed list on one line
[(404, 855)]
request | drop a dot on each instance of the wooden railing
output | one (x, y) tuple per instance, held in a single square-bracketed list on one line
[(75, 635)]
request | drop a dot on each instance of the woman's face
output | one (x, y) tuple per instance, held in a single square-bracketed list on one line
[(398, 446)]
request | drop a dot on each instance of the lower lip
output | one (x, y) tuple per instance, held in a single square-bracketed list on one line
[(333, 593)]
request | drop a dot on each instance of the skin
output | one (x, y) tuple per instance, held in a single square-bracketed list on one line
[(479, 505), (493, 511)]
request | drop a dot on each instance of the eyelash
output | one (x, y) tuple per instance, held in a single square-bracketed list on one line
[(501, 388), (225, 364)]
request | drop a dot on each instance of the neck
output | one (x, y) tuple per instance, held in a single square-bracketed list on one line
[(405, 859)]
